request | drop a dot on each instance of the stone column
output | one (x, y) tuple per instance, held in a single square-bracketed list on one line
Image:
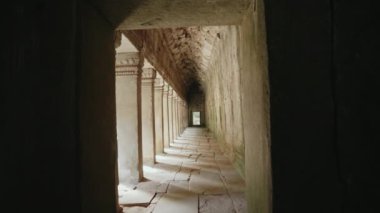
[(178, 116), (158, 113), (128, 109), (170, 112), (147, 115), (181, 116), (165, 106), (185, 115), (174, 116)]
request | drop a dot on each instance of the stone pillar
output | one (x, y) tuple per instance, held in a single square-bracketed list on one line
[(186, 115), (165, 106), (170, 112), (177, 115), (128, 109), (174, 115), (181, 116), (158, 113), (147, 115)]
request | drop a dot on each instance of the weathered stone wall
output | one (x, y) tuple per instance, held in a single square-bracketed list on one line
[(222, 92), (255, 109), (97, 112), (237, 103)]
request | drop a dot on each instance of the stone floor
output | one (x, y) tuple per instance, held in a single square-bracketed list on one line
[(192, 176)]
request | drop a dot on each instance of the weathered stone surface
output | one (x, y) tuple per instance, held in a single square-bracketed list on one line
[(139, 209), (177, 180), (179, 187), (239, 201), (157, 198), (127, 113), (161, 172), (177, 202), (215, 204), (136, 197), (207, 183), (161, 13), (152, 186)]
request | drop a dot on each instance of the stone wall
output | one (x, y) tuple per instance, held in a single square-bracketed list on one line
[(58, 149), (255, 109), (223, 101), (237, 103)]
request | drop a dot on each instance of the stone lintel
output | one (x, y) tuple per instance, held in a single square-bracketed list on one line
[(128, 59), (127, 64), (126, 70)]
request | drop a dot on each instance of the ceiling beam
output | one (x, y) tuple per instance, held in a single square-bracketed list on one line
[(148, 14)]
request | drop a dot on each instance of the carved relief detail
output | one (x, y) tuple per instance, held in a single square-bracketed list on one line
[(127, 64), (126, 70), (148, 73), (127, 59)]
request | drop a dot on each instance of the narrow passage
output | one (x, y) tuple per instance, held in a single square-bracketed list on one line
[(192, 176)]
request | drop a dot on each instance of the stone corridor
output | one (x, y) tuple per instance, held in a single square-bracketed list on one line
[(191, 176)]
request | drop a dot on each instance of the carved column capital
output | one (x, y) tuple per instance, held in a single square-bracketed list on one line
[(166, 88), (148, 73), (127, 64), (170, 92), (147, 76), (159, 82)]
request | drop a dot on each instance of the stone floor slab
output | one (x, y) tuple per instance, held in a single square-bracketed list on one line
[(177, 203), (239, 202), (136, 197), (193, 175), (215, 204), (139, 209)]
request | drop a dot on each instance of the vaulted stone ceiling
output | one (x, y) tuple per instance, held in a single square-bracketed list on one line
[(164, 27), (181, 54), (192, 47)]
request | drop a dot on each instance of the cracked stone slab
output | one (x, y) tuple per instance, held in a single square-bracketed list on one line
[(183, 174), (177, 202), (152, 186), (207, 183), (178, 187), (161, 172), (139, 209), (194, 165), (239, 202), (215, 204), (136, 197), (157, 198), (123, 189)]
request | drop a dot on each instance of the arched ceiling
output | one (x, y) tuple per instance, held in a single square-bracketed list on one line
[(180, 54), (191, 48)]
